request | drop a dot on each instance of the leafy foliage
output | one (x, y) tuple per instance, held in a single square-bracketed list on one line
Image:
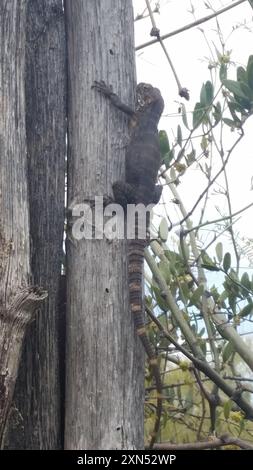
[(199, 319)]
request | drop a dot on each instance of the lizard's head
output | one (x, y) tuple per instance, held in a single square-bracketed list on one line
[(146, 95)]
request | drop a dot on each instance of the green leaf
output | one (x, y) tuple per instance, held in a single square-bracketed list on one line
[(184, 292), (242, 422), (184, 116), (223, 72), (245, 281), (227, 351), (236, 107), (159, 299), (241, 75), (223, 297), (195, 298), (246, 90), (215, 293), (179, 136), (168, 157), (205, 257), (191, 157), (198, 115), (208, 262), (163, 230), (209, 93), (235, 88), (227, 408), (206, 94), (148, 300), (217, 114), (202, 344), (203, 96), (246, 311), (250, 71), (232, 109), (227, 262), (232, 302), (234, 276), (210, 267), (245, 103), (175, 260), (204, 143), (219, 251), (164, 269), (231, 123), (164, 143)]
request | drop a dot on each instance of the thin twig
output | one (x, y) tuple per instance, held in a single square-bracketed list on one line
[(190, 25), (212, 180), (227, 195), (238, 379), (221, 219), (183, 92)]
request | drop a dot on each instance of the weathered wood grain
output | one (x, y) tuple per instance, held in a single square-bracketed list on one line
[(104, 384)]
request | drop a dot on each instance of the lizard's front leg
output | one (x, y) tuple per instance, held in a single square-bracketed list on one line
[(107, 91)]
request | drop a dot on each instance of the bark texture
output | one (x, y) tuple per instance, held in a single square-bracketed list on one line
[(104, 359), (13, 324), (14, 230), (36, 419)]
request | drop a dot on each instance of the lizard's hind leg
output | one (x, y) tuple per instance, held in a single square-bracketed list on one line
[(158, 189), (124, 193)]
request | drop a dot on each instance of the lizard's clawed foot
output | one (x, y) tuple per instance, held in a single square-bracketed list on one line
[(101, 87)]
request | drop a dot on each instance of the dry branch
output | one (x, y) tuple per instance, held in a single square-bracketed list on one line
[(211, 443)]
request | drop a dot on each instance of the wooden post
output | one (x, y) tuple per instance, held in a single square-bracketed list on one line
[(104, 359)]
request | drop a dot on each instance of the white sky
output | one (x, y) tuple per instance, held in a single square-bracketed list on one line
[(189, 52)]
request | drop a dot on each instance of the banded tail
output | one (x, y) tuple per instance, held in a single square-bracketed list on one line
[(135, 270)]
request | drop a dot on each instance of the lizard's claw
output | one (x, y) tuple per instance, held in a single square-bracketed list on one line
[(101, 87)]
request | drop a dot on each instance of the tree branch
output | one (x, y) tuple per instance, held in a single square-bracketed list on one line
[(199, 363), (183, 92), (190, 25), (213, 443)]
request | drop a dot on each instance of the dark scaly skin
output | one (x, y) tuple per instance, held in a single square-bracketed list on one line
[(142, 165)]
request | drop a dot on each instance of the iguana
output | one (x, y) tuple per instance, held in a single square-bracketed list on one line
[(142, 165)]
